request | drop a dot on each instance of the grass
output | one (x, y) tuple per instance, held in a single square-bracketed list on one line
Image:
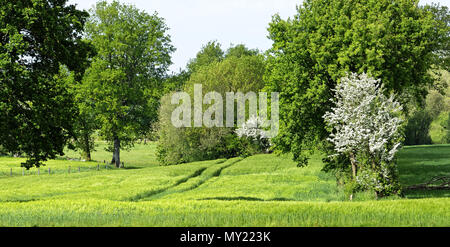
[(140, 155), (261, 190), (419, 164)]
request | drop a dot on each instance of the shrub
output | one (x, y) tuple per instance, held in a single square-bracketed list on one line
[(185, 144), (446, 126), (365, 126), (255, 137), (418, 127), (3, 151)]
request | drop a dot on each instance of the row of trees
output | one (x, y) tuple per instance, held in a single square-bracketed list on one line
[(67, 74)]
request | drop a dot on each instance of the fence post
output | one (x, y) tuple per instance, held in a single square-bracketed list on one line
[(10, 172), (23, 171), (78, 169), (98, 167), (49, 171), (69, 169)]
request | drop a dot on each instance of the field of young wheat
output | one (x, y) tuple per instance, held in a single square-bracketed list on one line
[(261, 190)]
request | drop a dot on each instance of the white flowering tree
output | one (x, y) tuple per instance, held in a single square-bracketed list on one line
[(252, 130), (365, 126)]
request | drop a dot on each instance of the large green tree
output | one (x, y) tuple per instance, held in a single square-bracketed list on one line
[(133, 55), (36, 110), (390, 40)]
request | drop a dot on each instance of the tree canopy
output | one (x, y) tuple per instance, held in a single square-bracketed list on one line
[(36, 110), (389, 40)]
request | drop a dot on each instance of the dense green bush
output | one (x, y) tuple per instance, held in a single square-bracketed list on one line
[(438, 130), (417, 129), (185, 144), (3, 151), (446, 126), (435, 103)]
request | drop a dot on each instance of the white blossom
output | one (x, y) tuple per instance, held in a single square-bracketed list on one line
[(363, 118), (252, 129)]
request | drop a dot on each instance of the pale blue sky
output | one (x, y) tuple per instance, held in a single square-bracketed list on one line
[(193, 23)]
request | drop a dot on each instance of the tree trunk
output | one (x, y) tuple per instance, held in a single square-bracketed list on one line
[(116, 155), (87, 151), (354, 170), (353, 161)]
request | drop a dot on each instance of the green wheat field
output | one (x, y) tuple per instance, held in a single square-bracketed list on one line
[(261, 190)]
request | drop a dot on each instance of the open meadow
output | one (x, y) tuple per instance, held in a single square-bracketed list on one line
[(260, 190)]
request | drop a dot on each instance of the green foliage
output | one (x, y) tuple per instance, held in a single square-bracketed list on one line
[(389, 40), (209, 53), (174, 82), (417, 128), (36, 110), (437, 130), (179, 145), (382, 179), (84, 123), (212, 53), (446, 126), (123, 83), (438, 105), (85, 126), (240, 50), (435, 103), (3, 151), (441, 54), (233, 74)]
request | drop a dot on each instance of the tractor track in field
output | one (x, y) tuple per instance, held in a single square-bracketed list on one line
[(156, 194), (214, 174), (153, 192)]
